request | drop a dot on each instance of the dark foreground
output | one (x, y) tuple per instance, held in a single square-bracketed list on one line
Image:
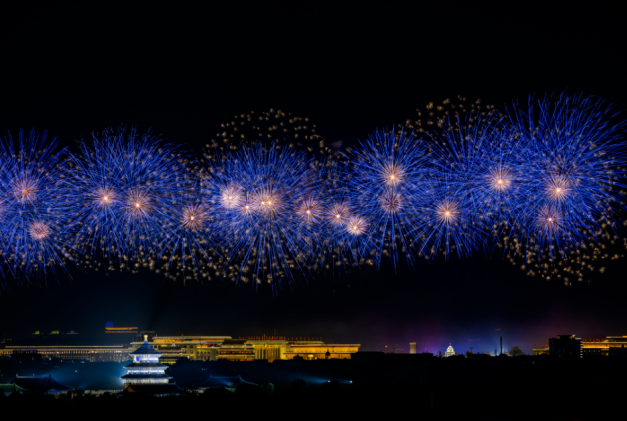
[(520, 388)]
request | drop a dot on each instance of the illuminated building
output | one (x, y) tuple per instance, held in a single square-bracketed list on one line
[(316, 351), (412, 347), (145, 368), (109, 329), (86, 353), (146, 375), (608, 346), (236, 350), (450, 352), (199, 348), (211, 348)]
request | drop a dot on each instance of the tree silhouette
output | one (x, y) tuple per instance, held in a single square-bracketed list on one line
[(516, 351)]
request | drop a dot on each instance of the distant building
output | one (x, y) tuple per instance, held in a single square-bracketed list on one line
[(236, 350), (565, 346), (43, 384), (590, 347), (212, 348), (450, 352), (109, 329), (412, 347), (608, 346), (618, 352), (197, 348), (68, 352), (317, 351), (146, 375)]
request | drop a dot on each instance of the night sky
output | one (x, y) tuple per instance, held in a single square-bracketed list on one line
[(182, 79)]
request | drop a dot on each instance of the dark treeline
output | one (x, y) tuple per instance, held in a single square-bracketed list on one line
[(505, 388)]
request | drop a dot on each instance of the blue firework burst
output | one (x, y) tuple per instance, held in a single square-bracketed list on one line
[(127, 187), (447, 220), (545, 180), (483, 162), (575, 171), (36, 206), (385, 180), (259, 195)]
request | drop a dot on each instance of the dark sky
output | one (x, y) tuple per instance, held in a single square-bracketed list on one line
[(350, 73)]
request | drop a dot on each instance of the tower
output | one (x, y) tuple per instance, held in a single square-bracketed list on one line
[(412, 347), (145, 374)]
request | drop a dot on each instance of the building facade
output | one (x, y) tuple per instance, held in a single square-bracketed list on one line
[(450, 352), (145, 368), (212, 348), (565, 346), (412, 347), (199, 348), (82, 353), (584, 347)]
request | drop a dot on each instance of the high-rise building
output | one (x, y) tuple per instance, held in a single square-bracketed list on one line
[(565, 346), (412, 347)]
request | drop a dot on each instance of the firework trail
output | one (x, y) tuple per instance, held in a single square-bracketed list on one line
[(129, 192), (36, 206), (575, 170), (386, 179), (258, 195), (486, 167), (544, 182)]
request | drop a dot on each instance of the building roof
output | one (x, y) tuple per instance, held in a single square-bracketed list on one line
[(40, 383), (145, 376), (234, 342), (321, 344), (216, 381), (11, 387), (154, 389), (145, 349), (146, 365)]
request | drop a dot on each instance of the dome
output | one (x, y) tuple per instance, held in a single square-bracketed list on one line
[(449, 351)]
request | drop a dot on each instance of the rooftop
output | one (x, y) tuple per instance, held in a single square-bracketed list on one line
[(45, 383), (145, 349)]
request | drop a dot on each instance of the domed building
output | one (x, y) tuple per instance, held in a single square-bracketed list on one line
[(450, 352), (146, 375)]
